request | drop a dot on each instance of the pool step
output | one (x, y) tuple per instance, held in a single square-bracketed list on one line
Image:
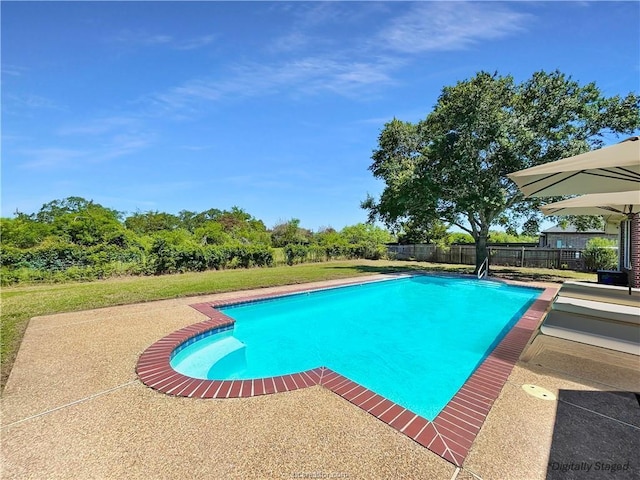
[(232, 362), (227, 350)]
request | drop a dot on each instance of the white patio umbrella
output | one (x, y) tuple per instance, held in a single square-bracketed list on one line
[(618, 204), (610, 169)]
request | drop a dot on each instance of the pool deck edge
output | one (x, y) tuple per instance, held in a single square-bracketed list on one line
[(450, 435)]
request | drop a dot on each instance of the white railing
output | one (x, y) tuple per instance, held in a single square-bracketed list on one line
[(483, 271)]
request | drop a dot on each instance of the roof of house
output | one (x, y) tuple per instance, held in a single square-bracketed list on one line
[(572, 229)]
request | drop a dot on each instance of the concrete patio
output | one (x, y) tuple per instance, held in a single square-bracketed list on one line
[(74, 408)]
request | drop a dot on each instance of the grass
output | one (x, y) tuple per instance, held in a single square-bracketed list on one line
[(21, 303)]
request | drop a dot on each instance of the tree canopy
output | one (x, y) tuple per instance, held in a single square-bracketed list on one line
[(286, 232), (452, 166)]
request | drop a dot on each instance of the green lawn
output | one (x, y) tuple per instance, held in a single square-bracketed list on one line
[(21, 303)]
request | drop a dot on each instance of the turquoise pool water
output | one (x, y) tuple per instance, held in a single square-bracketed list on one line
[(413, 340)]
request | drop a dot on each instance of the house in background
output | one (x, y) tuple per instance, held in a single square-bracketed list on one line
[(570, 237)]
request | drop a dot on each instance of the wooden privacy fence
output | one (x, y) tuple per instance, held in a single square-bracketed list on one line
[(534, 257)]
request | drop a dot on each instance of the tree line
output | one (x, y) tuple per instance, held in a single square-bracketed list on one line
[(78, 239)]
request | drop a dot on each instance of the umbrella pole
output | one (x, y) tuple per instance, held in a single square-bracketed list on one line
[(634, 250)]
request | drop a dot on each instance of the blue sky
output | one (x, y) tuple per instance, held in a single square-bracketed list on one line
[(274, 107)]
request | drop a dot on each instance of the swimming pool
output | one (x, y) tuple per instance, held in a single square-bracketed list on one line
[(414, 341)]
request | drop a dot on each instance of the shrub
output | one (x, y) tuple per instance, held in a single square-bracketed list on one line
[(261, 255), (217, 256), (190, 258), (295, 253), (601, 254), (375, 252), (163, 257), (335, 250), (50, 255), (316, 253)]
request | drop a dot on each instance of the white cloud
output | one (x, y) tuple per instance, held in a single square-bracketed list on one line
[(308, 76), (144, 39), (139, 38), (445, 26), (13, 70), (51, 157), (98, 126), (196, 148), (116, 146), (23, 103), (194, 43), (328, 26), (290, 42), (352, 70), (337, 12), (122, 145)]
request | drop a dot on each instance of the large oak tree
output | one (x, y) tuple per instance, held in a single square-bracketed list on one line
[(452, 166)]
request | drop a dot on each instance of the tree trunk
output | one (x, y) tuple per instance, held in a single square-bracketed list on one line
[(481, 250)]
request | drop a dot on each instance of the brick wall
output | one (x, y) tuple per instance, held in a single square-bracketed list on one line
[(635, 250)]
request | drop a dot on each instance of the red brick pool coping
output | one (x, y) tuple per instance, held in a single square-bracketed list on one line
[(450, 435)]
